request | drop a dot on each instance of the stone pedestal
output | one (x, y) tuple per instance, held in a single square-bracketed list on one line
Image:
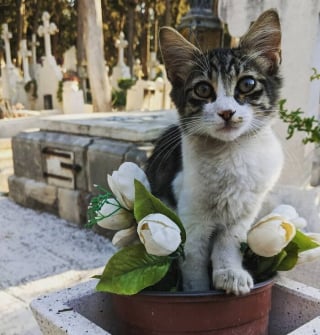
[(81, 310), (56, 167)]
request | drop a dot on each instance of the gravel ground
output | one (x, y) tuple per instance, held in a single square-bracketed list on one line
[(40, 253)]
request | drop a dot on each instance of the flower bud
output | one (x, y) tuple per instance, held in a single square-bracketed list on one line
[(270, 235), (121, 183), (125, 237), (159, 234), (114, 217)]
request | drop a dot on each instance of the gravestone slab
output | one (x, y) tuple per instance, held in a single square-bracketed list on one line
[(56, 167), (124, 126)]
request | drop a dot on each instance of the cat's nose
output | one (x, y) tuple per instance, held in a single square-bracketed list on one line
[(226, 114)]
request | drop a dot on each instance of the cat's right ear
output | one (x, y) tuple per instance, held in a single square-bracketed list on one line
[(178, 54)]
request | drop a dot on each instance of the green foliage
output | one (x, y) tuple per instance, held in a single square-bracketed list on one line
[(125, 84), (32, 87), (309, 125), (145, 203), (131, 270), (60, 91), (119, 97), (315, 74)]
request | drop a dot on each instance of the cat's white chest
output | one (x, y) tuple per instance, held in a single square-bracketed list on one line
[(219, 184)]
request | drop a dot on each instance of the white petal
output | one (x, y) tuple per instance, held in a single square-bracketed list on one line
[(121, 219), (160, 235), (286, 211), (125, 237)]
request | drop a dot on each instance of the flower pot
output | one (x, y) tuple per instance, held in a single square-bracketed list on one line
[(212, 312)]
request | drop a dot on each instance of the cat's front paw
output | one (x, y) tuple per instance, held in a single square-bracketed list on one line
[(237, 281)]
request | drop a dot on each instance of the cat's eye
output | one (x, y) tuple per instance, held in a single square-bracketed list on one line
[(203, 90), (246, 84)]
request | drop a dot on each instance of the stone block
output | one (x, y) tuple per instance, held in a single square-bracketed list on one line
[(77, 145), (33, 194), (17, 189), (26, 148), (105, 156), (72, 205)]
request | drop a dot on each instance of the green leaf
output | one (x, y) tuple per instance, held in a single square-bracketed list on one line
[(131, 270), (291, 257), (304, 242), (145, 203)]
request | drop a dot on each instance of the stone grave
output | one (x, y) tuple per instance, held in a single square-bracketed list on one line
[(121, 70), (47, 89), (56, 167)]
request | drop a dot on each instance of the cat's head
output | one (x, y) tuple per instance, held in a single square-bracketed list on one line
[(225, 93)]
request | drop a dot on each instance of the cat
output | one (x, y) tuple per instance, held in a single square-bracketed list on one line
[(216, 166)]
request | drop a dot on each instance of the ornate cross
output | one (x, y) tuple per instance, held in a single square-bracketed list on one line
[(121, 43), (34, 45), (46, 30), (6, 35)]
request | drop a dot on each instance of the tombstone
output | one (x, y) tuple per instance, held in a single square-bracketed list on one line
[(34, 67), (145, 95), (153, 66), (72, 98), (47, 88), (10, 73), (121, 70), (25, 54), (70, 59)]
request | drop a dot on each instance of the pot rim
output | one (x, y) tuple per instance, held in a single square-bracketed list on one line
[(201, 293)]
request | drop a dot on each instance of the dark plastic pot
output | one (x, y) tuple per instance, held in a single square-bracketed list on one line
[(212, 312)]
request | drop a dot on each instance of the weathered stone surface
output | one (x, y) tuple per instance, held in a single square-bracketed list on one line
[(33, 194), (75, 144), (17, 189), (132, 126), (104, 156), (72, 205), (27, 161)]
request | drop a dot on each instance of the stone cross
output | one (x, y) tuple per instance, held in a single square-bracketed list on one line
[(153, 65), (121, 43), (34, 45), (46, 30), (25, 54), (6, 35)]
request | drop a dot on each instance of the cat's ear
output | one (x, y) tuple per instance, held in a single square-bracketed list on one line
[(178, 54), (263, 40)]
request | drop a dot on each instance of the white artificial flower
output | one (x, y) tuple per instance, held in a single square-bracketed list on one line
[(125, 237), (290, 214), (121, 183), (311, 254), (159, 234), (114, 217), (270, 235)]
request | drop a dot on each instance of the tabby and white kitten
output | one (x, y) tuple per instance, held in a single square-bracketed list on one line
[(222, 159)]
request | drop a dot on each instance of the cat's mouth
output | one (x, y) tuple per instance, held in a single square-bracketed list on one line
[(227, 127)]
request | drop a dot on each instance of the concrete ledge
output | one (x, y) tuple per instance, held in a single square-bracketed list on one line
[(82, 310)]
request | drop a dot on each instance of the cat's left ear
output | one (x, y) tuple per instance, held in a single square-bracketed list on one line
[(263, 40), (178, 54)]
